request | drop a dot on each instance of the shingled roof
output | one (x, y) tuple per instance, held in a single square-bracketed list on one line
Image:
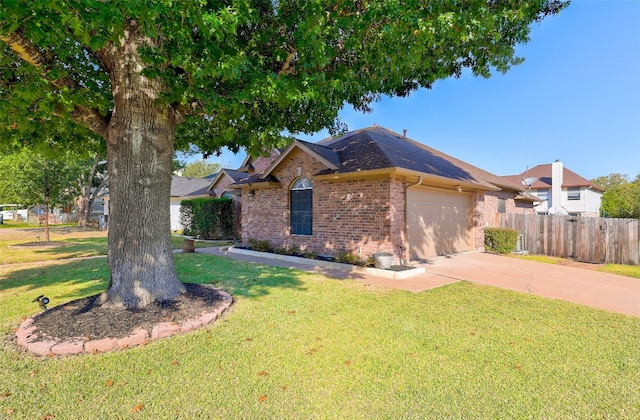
[(377, 148), (185, 187), (544, 172)]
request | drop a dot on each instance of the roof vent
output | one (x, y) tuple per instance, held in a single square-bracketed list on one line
[(404, 133)]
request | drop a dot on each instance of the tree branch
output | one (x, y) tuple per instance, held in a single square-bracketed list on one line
[(287, 68), (25, 50)]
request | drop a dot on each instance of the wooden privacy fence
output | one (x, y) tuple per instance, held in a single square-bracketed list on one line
[(589, 239)]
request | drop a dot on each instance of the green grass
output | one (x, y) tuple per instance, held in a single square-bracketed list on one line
[(539, 258), (300, 345), (80, 243), (623, 270)]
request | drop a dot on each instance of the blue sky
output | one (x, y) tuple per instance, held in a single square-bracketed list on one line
[(576, 98)]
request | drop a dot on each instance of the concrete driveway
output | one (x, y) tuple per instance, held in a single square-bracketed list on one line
[(583, 286), (578, 285)]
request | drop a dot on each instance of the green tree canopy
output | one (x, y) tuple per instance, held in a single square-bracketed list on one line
[(152, 76), (621, 197), (29, 179), (200, 169)]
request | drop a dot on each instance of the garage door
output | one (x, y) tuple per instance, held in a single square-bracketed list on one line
[(438, 223)]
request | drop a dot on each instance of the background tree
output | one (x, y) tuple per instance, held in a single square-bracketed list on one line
[(200, 169), (30, 179), (92, 181), (621, 197), (150, 76)]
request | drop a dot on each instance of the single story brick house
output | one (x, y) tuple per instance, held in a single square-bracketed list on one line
[(373, 190)]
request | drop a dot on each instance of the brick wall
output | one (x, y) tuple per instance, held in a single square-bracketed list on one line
[(361, 216), (486, 210)]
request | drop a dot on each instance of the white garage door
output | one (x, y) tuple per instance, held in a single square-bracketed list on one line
[(438, 223)]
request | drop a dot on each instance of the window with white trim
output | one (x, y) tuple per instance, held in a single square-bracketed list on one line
[(573, 193), (301, 207)]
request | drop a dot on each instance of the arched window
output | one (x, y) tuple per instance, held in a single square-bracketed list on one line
[(227, 195), (301, 207)]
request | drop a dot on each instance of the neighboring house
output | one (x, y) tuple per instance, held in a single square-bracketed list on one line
[(183, 189), (373, 190), (561, 191)]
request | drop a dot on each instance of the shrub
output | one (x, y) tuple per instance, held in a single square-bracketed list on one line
[(260, 245), (308, 253), (500, 241), (346, 257), (211, 218)]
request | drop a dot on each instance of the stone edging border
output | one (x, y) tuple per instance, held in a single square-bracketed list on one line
[(27, 336)]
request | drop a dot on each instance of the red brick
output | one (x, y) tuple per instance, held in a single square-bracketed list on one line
[(99, 346), (190, 325), (138, 337), (164, 329), (208, 317), (41, 348), (68, 347), (24, 336)]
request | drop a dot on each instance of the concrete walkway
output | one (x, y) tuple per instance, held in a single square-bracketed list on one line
[(582, 286)]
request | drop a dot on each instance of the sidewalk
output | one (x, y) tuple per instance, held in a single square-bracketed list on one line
[(585, 287)]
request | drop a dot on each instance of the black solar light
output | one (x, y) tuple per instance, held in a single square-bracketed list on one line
[(42, 301)]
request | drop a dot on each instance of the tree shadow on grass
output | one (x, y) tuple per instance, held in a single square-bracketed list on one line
[(69, 281)]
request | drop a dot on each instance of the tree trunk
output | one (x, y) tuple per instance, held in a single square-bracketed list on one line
[(139, 155), (83, 205), (46, 219)]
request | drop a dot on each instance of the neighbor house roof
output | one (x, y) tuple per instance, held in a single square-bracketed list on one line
[(185, 187), (543, 175), (379, 149), (235, 176)]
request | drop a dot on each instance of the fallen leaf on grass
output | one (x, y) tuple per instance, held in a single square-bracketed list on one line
[(174, 363), (138, 408), (48, 417), (348, 362), (10, 411), (248, 339), (518, 367), (262, 398), (284, 388), (109, 383), (33, 373), (5, 395), (262, 373)]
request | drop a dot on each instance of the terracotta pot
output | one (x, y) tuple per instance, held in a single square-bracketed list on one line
[(188, 246)]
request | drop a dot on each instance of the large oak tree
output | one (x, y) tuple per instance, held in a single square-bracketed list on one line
[(150, 76)]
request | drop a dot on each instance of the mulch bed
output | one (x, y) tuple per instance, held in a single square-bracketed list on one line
[(82, 318)]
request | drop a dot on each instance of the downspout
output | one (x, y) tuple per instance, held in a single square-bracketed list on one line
[(404, 248)]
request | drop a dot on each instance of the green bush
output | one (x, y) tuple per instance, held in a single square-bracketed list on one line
[(211, 218), (346, 257), (500, 241), (260, 245)]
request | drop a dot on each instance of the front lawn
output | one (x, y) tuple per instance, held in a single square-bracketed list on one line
[(73, 243), (300, 345)]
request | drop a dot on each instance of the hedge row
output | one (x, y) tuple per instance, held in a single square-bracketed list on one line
[(211, 218)]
